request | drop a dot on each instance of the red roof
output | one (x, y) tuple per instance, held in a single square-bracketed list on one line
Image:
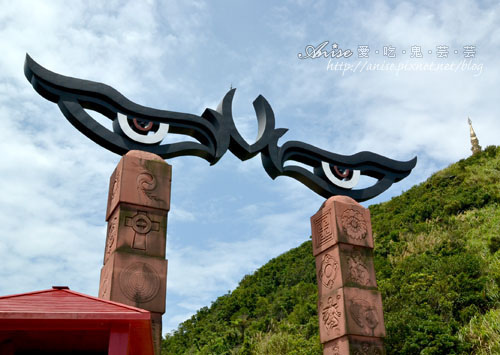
[(60, 319), (63, 303)]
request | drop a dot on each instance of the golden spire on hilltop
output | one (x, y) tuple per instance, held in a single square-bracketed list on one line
[(476, 148)]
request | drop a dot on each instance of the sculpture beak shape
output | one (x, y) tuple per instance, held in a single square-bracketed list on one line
[(137, 127)]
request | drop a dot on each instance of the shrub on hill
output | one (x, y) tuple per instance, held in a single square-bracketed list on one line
[(437, 257)]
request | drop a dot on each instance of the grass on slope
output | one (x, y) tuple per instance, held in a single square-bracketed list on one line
[(438, 268)]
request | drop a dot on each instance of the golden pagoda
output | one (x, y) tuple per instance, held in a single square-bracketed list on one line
[(476, 148)]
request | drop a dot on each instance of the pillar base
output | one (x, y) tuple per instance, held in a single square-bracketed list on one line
[(156, 326), (354, 345)]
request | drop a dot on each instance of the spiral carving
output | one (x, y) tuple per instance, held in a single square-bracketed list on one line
[(139, 282)]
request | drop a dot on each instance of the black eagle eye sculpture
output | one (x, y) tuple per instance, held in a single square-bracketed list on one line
[(144, 128)]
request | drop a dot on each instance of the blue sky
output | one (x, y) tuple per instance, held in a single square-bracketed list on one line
[(226, 220)]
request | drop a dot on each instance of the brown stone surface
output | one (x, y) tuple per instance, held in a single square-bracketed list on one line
[(156, 326), (141, 154), (354, 345), (350, 311), (341, 220), (345, 265), (136, 280), (141, 179), (135, 269), (332, 314), (140, 231)]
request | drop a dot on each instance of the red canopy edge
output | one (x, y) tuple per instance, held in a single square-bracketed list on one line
[(62, 313)]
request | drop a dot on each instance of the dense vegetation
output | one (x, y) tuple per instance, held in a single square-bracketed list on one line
[(437, 257)]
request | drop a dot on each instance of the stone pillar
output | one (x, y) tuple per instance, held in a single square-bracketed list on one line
[(135, 268), (349, 307)]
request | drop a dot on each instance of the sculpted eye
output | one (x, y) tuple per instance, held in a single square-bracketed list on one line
[(142, 131), (346, 178)]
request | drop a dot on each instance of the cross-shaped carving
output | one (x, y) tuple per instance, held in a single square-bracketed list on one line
[(142, 225)]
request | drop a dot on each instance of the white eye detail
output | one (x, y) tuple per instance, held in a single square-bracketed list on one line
[(346, 184), (145, 138)]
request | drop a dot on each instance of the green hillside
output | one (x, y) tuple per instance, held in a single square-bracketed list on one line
[(438, 267)]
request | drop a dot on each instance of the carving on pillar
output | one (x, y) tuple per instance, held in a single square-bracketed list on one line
[(365, 315), (146, 184), (105, 282), (331, 313), (328, 270), (139, 282), (367, 349), (354, 345), (105, 288), (112, 234), (350, 310), (354, 224), (358, 271), (142, 225), (323, 228), (115, 188)]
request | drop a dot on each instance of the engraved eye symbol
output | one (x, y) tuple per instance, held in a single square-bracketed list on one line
[(140, 130), (341, 178), (142, 125)]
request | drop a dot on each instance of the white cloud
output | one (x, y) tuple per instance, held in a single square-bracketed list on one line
[(228, 219)]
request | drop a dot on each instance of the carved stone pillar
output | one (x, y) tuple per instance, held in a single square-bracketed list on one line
[(350, 307), (135, 268)]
